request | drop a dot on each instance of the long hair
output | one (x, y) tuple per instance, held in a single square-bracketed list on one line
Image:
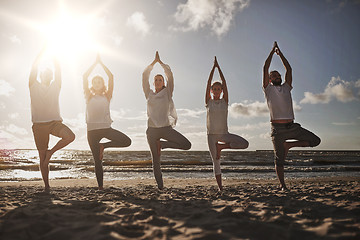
[(159, 75), (103, 90)]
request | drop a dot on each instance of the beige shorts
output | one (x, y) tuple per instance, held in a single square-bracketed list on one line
[(42, 132)]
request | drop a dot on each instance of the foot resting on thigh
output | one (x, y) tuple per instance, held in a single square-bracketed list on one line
[(287, 146), (49, 153), (219, 147)]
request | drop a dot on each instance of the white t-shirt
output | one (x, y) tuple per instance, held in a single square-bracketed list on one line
[(45, 102), (216, 119), (279, 101), (98, 113), (161, 110)]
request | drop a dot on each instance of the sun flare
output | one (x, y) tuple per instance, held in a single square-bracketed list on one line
[(68, 36)]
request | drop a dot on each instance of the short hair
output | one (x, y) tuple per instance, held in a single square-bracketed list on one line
[(216, 83), (274, 71)]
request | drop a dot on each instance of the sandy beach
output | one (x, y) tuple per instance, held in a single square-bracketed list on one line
[(321, 208)]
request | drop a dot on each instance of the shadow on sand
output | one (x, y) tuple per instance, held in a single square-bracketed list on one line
[(309, 211)]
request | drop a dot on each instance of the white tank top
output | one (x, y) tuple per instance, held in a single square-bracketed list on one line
[(45, 102), (160, 109), (98, 113), (216, 119), (279, 101)]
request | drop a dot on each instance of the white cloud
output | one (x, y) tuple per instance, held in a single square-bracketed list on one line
[(16, 130), (14, 115), (117, 40), (124, 114), (265, 135), (246, 109), (251, 127), (77, 123), (190, 113), (217, 15), (357, 84), (5, 88), (344, 123), (337, 88), (254, 109), (138, 22), (15, 39)]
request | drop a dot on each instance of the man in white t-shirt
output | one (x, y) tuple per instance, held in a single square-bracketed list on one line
[(45, 114), (279, 101)]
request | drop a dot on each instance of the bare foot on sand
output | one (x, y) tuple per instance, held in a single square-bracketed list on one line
[(101, 151), (47, 189)]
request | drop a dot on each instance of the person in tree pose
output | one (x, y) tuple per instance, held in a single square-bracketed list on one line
[(283, 128), (162, 116), (217, 129), (98, 118), (45, 114)]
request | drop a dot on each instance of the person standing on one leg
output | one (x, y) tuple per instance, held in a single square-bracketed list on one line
[(98, 118), (162, 117), (45, 114), (217, 111), (283, 128)]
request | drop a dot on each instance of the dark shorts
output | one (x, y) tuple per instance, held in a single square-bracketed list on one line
[(42, 132), (280, 132)]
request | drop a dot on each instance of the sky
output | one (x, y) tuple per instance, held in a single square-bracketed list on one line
[(320, 39)]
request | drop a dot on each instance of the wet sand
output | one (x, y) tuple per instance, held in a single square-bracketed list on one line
[(321, 208)]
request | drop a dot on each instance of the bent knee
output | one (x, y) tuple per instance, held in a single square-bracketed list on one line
[(246, 144), (70, 137), (187, 145), (128, 142), (315, 142)]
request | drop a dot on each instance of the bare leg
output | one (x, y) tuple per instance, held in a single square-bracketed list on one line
[(44, 168), (280, 174), (221, 146), (219, 182)]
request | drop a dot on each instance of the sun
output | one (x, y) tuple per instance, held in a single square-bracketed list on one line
[(68, 36)]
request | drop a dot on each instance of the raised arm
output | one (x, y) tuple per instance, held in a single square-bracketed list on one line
[(288, 74), (110, 76), (86, 80), (57, 71), (266, 79), (145, 78), (34, 68), (168, 73), (224, 86), (208, 86)]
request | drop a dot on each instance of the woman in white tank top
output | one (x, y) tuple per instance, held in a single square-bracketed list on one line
[(217, 130), (161, 117), (98, 118)]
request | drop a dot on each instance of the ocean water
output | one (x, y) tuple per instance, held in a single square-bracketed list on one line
[(20, 165)]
